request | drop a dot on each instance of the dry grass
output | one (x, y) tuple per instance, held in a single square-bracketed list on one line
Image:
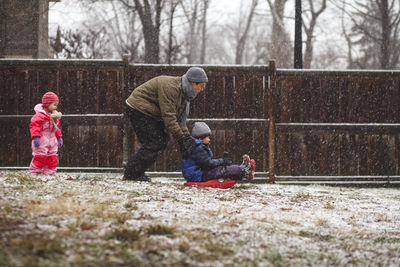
[(100, 220)]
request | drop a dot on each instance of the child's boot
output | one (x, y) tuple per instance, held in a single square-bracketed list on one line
[(246, 161), (249, 168), (252, 169)]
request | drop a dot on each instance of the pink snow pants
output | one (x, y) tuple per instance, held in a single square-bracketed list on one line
[(45, 156)]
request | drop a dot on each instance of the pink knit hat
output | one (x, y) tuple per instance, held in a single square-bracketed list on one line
[(49, 98)]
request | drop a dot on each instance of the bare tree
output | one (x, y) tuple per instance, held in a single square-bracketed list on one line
[(206, 4), (122, 27), (195, 13), (311, 15), (242, 35), (280, 46), (374, 33), (191, 11), (150, 17), (171, 49), (81, 44)]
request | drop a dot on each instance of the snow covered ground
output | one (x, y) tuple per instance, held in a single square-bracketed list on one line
[(100, 220)]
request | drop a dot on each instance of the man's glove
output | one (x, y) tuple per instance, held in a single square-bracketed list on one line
[(60, 141), (36, 141), (226, 162), (186, 145)]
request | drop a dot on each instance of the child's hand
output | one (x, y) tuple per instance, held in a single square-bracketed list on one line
[(36, 141), (56, 115), (226, 162), (60, 141)]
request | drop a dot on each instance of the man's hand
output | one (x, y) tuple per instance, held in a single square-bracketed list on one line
[(186, 145)]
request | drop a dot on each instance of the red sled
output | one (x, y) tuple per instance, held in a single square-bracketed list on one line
[(220, 183)]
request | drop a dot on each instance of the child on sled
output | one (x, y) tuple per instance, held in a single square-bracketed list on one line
[(201, 167)]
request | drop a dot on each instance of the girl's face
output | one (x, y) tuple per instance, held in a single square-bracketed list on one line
[(206, 140), (53, 106)]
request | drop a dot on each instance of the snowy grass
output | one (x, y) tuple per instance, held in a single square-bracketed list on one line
[(100, 220)]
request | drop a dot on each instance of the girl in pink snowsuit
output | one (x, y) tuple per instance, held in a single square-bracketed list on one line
[(46, 135)]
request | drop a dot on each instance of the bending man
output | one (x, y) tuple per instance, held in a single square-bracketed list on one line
[(157, 108)]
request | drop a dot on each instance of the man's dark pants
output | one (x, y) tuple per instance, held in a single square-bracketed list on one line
[(154, 137)]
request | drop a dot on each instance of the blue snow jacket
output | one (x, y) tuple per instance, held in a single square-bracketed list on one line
[(200, 160)]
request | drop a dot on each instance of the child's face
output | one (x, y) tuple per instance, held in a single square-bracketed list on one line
[(53, 106), (206, 140)]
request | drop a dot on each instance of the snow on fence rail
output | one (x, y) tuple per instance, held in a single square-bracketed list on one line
[(305, 124)]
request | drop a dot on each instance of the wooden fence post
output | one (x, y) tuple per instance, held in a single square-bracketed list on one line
[(271, 112), (126, 80)]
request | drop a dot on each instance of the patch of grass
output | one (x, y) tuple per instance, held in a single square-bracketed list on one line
[(322, 222), (291, 222), (275, 257), (385, 239), (301, 197), (124, 235), (133, 194), (184, 246), (87, 226), (30, 249), (318, 236), (121, 218), (329, 206), (59, 206), (178, 186), (198, 234), (305, 233), (217, 248), (160, 230), (225, 199), (242, 186), (130, 206)]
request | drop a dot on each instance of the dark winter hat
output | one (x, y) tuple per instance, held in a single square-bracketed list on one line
[(201, 130), (49, 98), (196, 75)]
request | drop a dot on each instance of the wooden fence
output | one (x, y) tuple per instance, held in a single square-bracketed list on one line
[(337, 125), (92, 97), (319, 124)]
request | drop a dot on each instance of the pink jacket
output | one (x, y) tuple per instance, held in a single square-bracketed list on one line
[(42, 124)]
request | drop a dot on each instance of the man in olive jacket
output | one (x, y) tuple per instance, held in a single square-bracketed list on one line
[(157, 108)]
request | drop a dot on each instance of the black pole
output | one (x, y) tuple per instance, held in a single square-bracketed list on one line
[(298, 49)]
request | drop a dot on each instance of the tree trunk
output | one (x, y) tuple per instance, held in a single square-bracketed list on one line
[(240, 47), (171, 31), (280, 46), (308, 54), (151, 30), (384, 9), (204, 30)]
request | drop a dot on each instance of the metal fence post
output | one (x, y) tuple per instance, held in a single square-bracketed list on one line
[(271, 113)]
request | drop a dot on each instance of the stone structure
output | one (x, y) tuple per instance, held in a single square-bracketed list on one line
[(24, 28)]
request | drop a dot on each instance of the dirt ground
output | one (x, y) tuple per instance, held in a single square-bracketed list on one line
[(78, 219)]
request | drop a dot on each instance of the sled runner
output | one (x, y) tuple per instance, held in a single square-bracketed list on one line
[(220, 183)]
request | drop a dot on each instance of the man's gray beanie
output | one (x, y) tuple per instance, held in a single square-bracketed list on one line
[(196, 75), (201, 130)]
